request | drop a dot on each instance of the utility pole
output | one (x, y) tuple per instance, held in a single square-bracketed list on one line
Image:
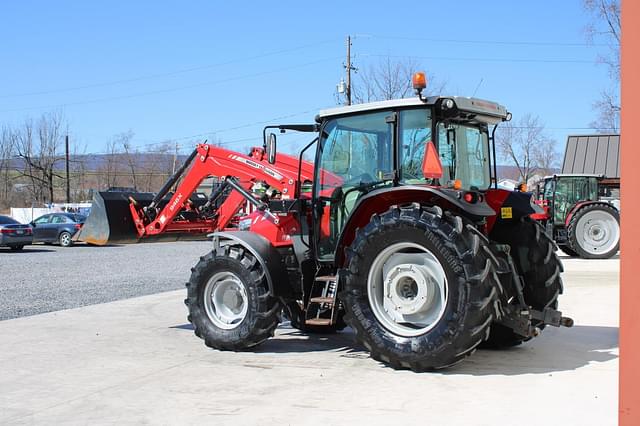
[(348, 67), (66, 149)]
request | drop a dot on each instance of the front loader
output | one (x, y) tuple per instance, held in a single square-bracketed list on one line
[(397, 230)]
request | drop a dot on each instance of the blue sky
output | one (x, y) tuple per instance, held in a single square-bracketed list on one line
[(172, 70)]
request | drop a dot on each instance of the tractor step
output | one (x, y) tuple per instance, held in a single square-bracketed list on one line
[(327, 278), (318, 321), (322, 300), (321, 308)]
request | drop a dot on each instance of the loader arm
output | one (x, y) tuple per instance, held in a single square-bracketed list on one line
[(215, 161)]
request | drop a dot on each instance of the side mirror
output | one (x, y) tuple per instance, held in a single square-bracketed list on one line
[(271, 148)]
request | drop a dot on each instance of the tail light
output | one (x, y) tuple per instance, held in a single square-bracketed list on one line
[(78, 226), (7, 231), (472, 197)]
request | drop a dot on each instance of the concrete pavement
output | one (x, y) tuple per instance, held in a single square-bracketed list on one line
[(137, 361)]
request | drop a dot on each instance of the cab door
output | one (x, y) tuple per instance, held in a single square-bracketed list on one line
[(354, 157)]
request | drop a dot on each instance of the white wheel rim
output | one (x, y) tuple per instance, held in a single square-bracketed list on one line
[(225, 300), (597, 232), (66, 238), (407, 289)]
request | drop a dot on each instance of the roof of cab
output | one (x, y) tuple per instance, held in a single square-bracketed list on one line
[(478, 106)]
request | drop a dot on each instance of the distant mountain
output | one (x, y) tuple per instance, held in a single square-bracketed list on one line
[(146, 161), (96, 162)]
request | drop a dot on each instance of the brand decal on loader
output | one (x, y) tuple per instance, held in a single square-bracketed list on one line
[(175, 202), (506, 213), (258, 166)]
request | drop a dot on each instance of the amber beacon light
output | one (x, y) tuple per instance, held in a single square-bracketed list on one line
[(419, 81)]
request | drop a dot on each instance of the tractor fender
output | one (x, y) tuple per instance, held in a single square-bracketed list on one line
[(510, 207), (379, 201), (265, 253), (582, 204)]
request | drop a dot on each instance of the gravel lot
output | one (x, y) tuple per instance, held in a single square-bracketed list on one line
[(45, 278)]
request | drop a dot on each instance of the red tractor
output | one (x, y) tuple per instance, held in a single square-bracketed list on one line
[(397, 231)]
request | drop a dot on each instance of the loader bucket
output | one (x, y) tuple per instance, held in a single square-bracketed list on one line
[(110, 220)]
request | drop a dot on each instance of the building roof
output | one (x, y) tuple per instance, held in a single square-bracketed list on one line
[(592, 155)]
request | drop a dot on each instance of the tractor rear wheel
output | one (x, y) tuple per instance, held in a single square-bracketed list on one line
[(534, 256), (229, 302), (419, 289), (594, 231)]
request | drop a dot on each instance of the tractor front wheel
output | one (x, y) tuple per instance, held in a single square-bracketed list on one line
[(419, 290), (229, 302)]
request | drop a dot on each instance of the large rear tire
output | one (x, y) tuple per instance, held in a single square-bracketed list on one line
[(534, 256), (229, 302), (594, 231), (420, 290)]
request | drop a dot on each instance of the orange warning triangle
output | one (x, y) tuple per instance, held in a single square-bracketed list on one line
[(431, 165)]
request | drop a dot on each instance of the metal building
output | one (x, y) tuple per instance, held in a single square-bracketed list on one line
[(593, 154)]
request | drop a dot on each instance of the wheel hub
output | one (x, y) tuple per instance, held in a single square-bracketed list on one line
[(225, 300), (407, 289)]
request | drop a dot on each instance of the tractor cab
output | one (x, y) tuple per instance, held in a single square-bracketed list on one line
[(561, 192), (437, 145)]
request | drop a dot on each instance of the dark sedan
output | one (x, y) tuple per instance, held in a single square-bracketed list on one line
[(14, 234), (57, 228)]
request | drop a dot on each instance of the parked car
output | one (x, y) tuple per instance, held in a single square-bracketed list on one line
[(57, 228), (14, 234)]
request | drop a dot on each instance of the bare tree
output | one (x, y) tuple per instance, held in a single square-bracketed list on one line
[(39, 146), (160, 162), (131, 155), (608, 113), (605, 26), (527, 146), (79, 171), (389, 79), (6, 157), (111, 164)]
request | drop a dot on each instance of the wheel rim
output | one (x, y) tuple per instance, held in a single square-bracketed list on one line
[(597, 232), (225, 300), (65, 239), (407, 289)]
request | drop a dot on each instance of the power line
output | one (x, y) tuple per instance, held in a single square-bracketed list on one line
[(166, 74), (496, 42), (483, 59), (175, 89)]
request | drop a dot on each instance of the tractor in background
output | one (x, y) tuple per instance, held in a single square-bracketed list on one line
[(582, 214)]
